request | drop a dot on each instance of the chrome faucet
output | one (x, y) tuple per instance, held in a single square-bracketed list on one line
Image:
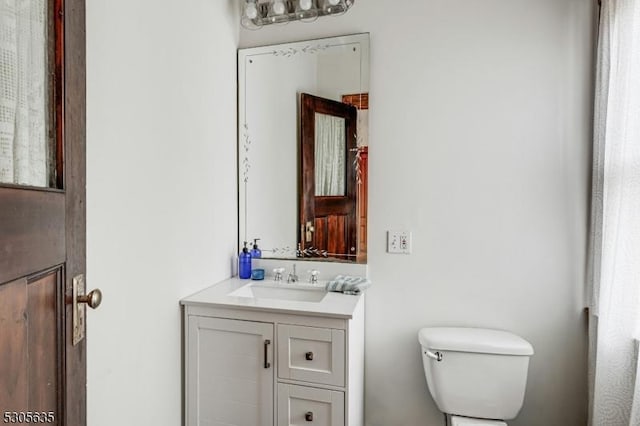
[(292, 278)]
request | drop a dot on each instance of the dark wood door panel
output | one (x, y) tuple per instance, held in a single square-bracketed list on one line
[(337, 227), (320, 233), (32, 231), (332, 234), (14, 394), (325, 206), (44, 321), (30, 357)]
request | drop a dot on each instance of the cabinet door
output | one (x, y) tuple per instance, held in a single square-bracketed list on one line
[(311, 354), (229, 372), (302, 405)]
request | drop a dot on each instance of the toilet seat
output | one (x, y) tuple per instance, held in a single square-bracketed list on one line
[(467, 421)]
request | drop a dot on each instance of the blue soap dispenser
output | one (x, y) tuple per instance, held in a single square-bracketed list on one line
[(244, 263), (256, 252)]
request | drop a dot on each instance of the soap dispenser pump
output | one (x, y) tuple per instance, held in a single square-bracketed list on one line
[(244, 263), (256, 252)]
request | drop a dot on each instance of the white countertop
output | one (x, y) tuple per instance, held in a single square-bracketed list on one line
[(334, 305)]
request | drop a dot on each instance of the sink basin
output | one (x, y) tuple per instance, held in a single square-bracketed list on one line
[(295, 292)]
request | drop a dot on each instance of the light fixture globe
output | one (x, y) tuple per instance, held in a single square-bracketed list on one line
[(278, 7), (251, 18), (336, 7), (306, 11), (251, 10)]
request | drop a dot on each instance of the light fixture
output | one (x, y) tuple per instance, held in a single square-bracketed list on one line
[(257, 13), (278, 7), (250, 15)]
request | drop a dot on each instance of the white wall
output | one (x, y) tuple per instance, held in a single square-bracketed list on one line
[(161, 191), (480, 128)]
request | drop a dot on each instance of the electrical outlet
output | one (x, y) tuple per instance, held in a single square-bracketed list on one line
[(399, 242)]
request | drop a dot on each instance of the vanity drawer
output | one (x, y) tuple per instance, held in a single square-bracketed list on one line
[(301, 405), (311, 354)]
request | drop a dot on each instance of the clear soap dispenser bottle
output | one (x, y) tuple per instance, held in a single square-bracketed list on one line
[(244, 263), (256, 252)]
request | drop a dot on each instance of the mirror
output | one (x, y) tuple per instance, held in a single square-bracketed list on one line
[(303, 148)]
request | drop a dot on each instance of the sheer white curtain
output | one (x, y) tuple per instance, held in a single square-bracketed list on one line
[(615, 236), (23, 92), (330, 150)]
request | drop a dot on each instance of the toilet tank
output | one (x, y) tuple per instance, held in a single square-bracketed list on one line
[(482, 373)]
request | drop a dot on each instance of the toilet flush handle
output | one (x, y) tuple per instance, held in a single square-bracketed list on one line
[(434, 355)]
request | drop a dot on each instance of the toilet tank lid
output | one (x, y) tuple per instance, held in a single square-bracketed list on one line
[(478, 340)]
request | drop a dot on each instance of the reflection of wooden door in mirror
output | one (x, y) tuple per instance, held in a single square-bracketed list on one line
[(328, 186)]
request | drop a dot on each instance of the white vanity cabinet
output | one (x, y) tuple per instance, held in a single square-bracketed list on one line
[(280, 366)]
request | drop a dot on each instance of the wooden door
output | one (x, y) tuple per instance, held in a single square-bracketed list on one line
[(229, 372), (328, 218), (42, 248)]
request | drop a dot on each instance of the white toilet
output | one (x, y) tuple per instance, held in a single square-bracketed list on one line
[(476, 376)]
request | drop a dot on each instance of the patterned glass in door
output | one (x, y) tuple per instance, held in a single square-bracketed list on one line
[(27, 133)]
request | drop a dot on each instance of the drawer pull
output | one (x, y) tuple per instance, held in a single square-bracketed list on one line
[(308, 356), (267, 364), (308, 416)]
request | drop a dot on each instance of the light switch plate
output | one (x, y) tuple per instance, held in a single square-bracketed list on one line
[(399, 242)]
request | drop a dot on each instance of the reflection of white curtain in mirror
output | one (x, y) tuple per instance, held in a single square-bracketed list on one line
[(329, 155), (23, 94)]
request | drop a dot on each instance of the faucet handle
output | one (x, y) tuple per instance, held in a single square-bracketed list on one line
[(293, 277), (313, 277), (277, 274)]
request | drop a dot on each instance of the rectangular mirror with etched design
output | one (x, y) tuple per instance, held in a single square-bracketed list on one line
[(303, 148)]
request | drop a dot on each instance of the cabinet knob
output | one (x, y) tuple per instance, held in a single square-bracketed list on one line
[(308, 416), (308, 356)]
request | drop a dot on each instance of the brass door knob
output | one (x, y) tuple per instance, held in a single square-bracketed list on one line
[(93, 299)]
